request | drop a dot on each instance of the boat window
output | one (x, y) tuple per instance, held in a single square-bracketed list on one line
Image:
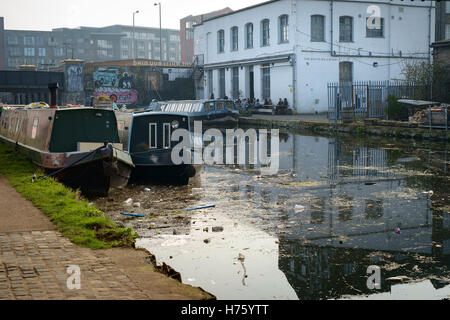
[(166, 136), (209, 107), (153, 136), (198, 107), (35, 128), (220, 106), (229, 105)]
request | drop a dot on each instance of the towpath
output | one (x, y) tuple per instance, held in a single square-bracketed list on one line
[(34, 261)]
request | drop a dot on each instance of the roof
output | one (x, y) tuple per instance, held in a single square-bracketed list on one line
[(241, 10)]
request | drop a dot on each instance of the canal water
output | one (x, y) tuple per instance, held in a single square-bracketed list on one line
[(336, 207)]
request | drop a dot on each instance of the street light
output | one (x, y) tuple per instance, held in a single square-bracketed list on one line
[(160, 32), (134, 38)]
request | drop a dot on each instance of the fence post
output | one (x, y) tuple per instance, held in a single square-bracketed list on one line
[(368, 102)]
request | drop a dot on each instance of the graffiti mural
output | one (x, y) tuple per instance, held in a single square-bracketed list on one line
[(75, 79), (113, 82)]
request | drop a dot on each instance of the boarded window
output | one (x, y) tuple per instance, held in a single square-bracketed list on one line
[(346, 72)]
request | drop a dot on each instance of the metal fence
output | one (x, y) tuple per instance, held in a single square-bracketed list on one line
[(366, 99)]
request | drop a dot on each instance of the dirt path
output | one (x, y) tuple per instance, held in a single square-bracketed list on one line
[(34, 259)]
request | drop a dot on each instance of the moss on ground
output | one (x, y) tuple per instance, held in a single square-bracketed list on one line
[(83, 224)]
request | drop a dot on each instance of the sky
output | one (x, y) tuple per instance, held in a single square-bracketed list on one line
[(49, 14)]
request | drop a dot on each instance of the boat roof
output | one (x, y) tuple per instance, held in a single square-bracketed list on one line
[(158, 113)]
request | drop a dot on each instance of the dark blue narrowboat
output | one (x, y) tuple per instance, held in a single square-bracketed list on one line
[(210, 112), (147, 137)]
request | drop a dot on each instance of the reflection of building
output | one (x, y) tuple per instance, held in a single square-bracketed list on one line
[(187, 33), (47, 48)]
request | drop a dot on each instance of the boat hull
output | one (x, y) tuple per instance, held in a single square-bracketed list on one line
[(94, 171)]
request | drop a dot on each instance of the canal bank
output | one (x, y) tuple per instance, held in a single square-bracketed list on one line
[(319, 124)]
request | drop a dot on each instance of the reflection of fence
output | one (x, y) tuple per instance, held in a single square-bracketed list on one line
[(365, 99)]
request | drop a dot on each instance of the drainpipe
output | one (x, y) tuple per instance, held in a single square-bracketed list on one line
[(294, 79), (429, 49), (332, 26)]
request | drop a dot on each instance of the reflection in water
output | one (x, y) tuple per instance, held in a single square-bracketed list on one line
[(334, 206)]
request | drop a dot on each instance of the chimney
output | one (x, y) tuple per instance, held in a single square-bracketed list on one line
[(53, 95)]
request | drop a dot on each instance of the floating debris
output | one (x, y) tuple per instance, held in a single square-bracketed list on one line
[(299, 208), (133, 215), (398, 231), (201, 207), (217, 229), (129, 202), (147, 190)]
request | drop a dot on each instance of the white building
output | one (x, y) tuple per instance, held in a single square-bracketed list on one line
[(293, 48)]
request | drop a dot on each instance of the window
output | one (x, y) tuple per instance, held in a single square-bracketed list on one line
[(12, 40), (124, 44), (249, 35), (317, 28), (42, 52), (447, 7), (374, 31), (14, 52), (189, 34), (28, 41), (234, 39), (235, 82), (346, 72), (39, 41), (153, 141), (125, 54), (59, 52), (141, 45), (105, 44), (166, 136), (221, 41), (28, 52), (265, 32), (345, 29), (284, 29), (266, 82), (447, 32), (222, 83)]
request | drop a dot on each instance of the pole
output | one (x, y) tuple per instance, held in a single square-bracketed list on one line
[(160, 34)]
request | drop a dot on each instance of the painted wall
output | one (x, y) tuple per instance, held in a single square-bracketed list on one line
[(316, 64), (138, 86)]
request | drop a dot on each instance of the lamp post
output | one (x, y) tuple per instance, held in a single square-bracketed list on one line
[(134, 38), (160, 32)]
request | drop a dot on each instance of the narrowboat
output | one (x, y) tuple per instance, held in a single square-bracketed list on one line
[(210, 112), (79, 146), (147, 137)]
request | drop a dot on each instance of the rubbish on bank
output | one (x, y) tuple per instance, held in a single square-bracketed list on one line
[(136, 205), (147, 190), (133, 215), (129, 202), (201, 207)]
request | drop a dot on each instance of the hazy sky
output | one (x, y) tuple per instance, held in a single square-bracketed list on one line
[(48, 14)]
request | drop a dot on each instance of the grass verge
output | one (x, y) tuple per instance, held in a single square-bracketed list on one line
[(84, 225)]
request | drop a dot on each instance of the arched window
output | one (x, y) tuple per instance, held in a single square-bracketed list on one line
[(346, 29), (265, 32), (249, 35), (221, 41), (234, 39), (283, 22), (317, 28)]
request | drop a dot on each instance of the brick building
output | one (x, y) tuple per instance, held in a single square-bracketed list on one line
[(187, 32)]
